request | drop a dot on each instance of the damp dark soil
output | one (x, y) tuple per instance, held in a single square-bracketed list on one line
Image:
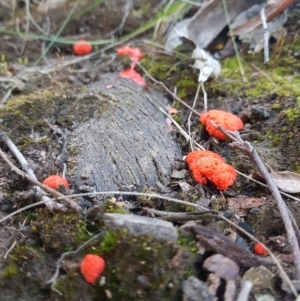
[(107, 133)]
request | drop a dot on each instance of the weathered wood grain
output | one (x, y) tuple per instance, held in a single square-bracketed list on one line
[(128, 143)]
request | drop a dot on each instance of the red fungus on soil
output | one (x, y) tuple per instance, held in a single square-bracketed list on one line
[(198, 154), (207, 165), (130, 73), (135, 54), (82, 47), (227, 120), (91, 267), (259, 249), (55, 181)]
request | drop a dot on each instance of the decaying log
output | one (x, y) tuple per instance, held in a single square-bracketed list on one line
[(221, 244), (128, 143)]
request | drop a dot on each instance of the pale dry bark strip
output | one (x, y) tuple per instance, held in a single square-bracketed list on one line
[(30, 176)]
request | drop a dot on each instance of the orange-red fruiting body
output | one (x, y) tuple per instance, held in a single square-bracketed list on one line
[(227, 120), (91, 267), (82, 47), (130, 73), (55, 181), (207, 165), (259, 249), (135, 54), (218, 172), (198, 154)]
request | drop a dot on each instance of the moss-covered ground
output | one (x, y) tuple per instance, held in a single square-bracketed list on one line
[(138, 267)]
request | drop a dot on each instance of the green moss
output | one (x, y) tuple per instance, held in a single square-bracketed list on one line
[(72, 287), (280, 78), (285, 133), (187, 240), (26, 141), (109, 242), (10, 270), (153, 270), (160, 66), (276, 106), (143, 264), (31, 110), (186, 87), (276, 139), (60, 231), (112, 206), (142, 11), (218, 204), (116, 210), (137, 268), (176, 118), (25, 273), (292, 113)]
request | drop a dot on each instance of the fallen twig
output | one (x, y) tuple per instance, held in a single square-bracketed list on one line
[(22, 209), (271, 12), (234, 42), (53, 279), (30, 176), (181, 216), (187, 137), (191, 113), (249, 150), (199, 207), (214, 241), (167, 89), (266, 36)]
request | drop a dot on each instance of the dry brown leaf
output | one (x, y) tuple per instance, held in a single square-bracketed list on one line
[(271, 12), (242, 204), (287, 181), (208, 22)]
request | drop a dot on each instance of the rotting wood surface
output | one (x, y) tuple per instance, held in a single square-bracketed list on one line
[(128, 144)]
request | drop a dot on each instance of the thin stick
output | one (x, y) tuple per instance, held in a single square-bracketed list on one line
[(10, 249), (249, 150), (41, 188), (280, 203), (204, 209), (167, 89), (199, 207), (159, 21), (187, 137), (266, 35), (263, 73), (127, 8), (53, 279), (46, 200), (58, 33), (233, 41), (136, 194), (22, 209), (204, 96), (182, 132), (280, 268), (191, 113), (30, 175)]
